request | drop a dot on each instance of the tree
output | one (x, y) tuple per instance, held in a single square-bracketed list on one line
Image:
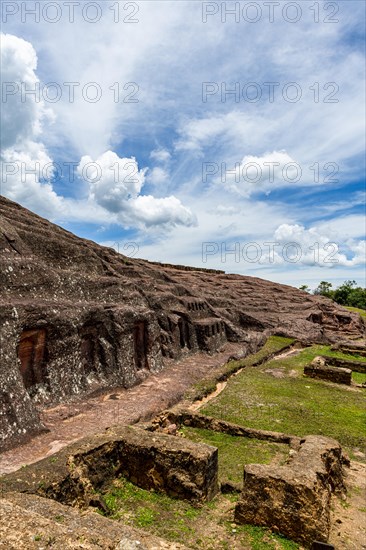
[(350, 295), (347, 294), (305, 288), (343, 292), (324, 289), (357, 298)]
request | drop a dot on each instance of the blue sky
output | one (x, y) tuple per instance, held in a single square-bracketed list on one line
[(268, 181)]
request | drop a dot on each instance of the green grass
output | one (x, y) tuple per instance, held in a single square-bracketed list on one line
[(281, 400), (358, 377), (263, 539), (274, 344), (208, 385), (293, 404), (325, 350), (362, 312), (234, 451), (204, 527), (170, 518)]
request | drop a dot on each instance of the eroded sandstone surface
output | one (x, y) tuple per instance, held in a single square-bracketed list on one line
[(77, 317), (31, 522), (152, 461), (295, 499)]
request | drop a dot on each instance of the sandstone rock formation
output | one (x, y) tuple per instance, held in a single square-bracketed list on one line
[(30, 522), (294, 500), (352, 364), (161, 462), (77, 317), (351, 348)]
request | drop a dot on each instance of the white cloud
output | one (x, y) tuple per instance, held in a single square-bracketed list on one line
[(111, 54), (115, 184), (313, 247), (265, 173), (344, 227), (22, 111), (26, 166), (235, 126), (158, 175), (20, 185), (162, 58), (226, 210), (168, 210), (160, 155), (112, 180)]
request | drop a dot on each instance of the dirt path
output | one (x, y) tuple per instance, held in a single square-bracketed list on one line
[(222, 385), (348, 519), (70, 422), (198, 404)]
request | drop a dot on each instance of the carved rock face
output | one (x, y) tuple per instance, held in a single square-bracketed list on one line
[(32, 356), (76, 317)]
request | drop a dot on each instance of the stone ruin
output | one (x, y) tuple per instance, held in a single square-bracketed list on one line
[(293, 500), (77, 317), (171, 465), (352, 364), (334, 369), (349, 347), (319, 369)]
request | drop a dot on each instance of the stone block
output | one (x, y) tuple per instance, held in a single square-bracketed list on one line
[(294, 500), (164, 463), (354, 365), (325, 372)]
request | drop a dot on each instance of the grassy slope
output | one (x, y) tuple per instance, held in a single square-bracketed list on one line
[(209, 526), (206, 527), (254, 398), (293, 403), (234, 452), (208, 385)]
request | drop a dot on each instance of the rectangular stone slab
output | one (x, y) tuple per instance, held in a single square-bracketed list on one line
[(294, 500), (332, 374), (165, 463)]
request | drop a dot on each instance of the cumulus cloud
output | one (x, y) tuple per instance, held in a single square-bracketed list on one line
[(22, 111), (115, 184), (171, 108), (168, 210), (264, 173), (112, 180), (312, 247), (22, 179), (26, 167)]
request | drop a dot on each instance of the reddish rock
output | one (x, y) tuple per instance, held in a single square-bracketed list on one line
[(294, 500), (77, 317), (171, 465)]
